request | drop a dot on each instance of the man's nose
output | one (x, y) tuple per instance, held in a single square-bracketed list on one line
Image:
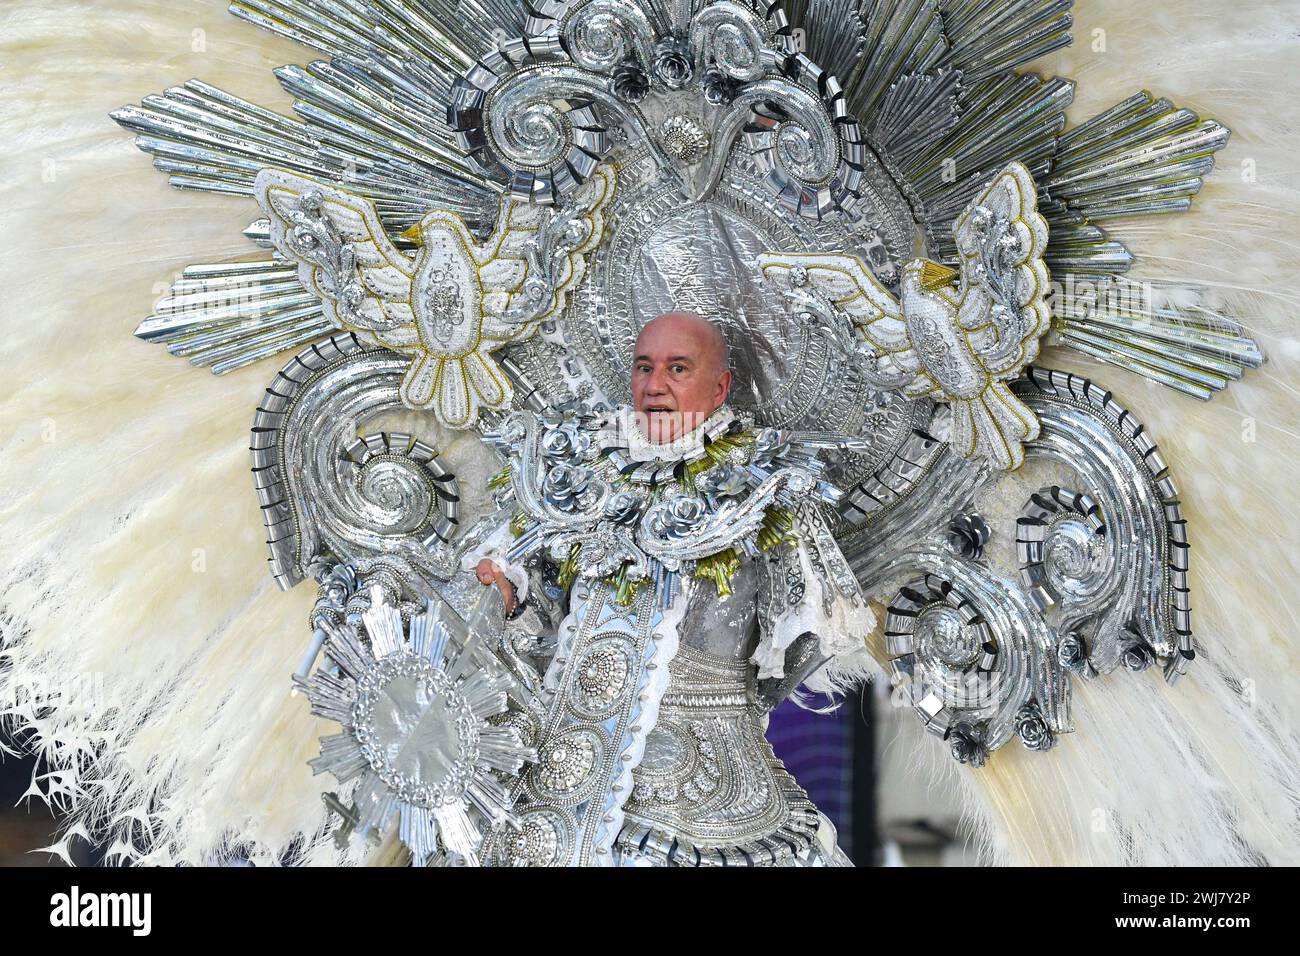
[(657, 382)]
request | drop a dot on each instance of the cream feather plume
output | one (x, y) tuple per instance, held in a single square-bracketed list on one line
[(1206, 771), (134, 565), (134, 553)]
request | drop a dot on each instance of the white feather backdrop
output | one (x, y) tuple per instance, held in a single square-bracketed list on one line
[(1207, 771), (134, 561)]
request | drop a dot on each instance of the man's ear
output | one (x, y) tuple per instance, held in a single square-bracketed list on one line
[(724, 383)]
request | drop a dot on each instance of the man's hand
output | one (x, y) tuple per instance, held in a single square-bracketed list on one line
[(488, 573)]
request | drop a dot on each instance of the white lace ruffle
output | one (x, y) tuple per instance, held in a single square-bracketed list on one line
[(841, 634), (640, 448)]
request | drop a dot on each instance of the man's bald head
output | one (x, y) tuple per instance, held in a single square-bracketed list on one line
[(687, 326), (679, 373)]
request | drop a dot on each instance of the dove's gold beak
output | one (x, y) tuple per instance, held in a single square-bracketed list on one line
[(936, 276), (413, 234)]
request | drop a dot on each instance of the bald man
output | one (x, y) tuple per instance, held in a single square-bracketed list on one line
[(679, 378), (679, 375), (744, 633)]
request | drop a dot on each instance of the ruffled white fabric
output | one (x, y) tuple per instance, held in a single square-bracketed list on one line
[(841, 634), (640, 448)]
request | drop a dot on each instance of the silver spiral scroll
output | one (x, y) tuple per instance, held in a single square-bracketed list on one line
[(526, 115), (399, 485), (732, 38), (969, 655), (1062, 546), (1125, 591), (818, 161), (324, 491), (1102, 565), (601, 34), (794, 144)]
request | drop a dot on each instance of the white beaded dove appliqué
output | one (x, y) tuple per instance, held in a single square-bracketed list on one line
[(456, 299), (956, 335)]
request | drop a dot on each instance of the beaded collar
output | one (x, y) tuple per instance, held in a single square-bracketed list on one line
[(600, 514)]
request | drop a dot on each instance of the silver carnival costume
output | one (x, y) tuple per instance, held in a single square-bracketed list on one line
[(690, 558), (475, 214)]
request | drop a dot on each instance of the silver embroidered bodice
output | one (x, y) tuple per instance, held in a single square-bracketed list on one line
[(709, 789)]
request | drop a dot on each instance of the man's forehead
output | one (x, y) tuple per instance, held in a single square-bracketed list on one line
[(675, 357), (668, 342), (682, 332)]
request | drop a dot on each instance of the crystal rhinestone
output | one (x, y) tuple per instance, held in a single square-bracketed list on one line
[(568, 763), (603, 673)]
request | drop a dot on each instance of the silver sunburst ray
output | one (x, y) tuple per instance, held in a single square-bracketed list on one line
[(384, 625), (339, 756), (415, 707)]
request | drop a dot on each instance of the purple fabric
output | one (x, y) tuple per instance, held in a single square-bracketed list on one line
[(817, 749)]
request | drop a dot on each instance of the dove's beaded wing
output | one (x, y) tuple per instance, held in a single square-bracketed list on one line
[(850, 288), (1002, 305), (857, 311), (341, 250)]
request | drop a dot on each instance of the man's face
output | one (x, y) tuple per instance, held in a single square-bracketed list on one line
[(679, 375)]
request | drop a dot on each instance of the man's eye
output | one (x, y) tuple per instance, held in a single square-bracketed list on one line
[(678, 369)]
